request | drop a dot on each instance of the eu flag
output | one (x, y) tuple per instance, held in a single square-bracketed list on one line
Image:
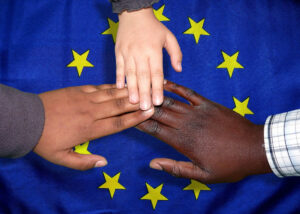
[(242, 54)]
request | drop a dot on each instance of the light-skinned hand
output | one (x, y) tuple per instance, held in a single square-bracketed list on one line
[(139, 57), (222, 145), (78, 114)]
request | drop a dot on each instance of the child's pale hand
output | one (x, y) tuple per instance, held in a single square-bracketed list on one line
[(140, 40)]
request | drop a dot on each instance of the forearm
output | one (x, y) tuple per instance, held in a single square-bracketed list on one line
[(21, 122), (130, 5)]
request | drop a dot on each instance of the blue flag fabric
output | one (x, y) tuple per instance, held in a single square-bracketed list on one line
[(242, 54)]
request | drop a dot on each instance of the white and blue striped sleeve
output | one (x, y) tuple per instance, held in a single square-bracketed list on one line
[(282, 143)]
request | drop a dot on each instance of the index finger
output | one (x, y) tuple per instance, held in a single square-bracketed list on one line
[(105, 86), (160, 131), (157, 78), (108, 126), (186, 93), (106, 94)]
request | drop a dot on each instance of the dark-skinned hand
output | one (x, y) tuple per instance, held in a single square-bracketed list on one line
[(75, 115), (222, 145)]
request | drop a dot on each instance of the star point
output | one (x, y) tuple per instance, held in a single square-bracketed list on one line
[(80, 61), (159, 14), (242, 107), (112, 30), (196, 186), (82, 149), (112, 183), (230, 63), (154, 195), (196, 29)]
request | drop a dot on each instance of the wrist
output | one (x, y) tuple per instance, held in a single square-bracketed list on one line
[(138, 14), (258, 157)]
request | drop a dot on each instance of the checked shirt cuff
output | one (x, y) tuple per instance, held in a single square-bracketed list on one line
[(282, 143)]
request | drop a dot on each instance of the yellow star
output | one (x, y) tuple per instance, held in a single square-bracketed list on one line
[(230, 62), (82, 148), (242, 107), (154, 195), (159, 14), (196, 29), (113, 29), (196, 186), (80, 61), (112, 183)]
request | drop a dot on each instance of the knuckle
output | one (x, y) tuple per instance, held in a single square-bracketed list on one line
[(142, 71), (174, 86), (130, 71), (195, 171), (119, 73), (119, 63), (110, 92), (120, 103), (118, 123), (152, 50), (69, 89), (88, 88), (120, 76), (131, 48), (158, 113), (85, 166), (189, 93), (207, 110), (202, 174), (81, 168), (157, 73), (176, 170), (168, 102), (153, 128), (85, 126)]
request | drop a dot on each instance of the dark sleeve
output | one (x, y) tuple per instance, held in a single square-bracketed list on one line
[(21, 122), (130, 5)]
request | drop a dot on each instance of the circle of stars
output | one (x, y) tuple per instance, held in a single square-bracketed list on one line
[(230, 63)]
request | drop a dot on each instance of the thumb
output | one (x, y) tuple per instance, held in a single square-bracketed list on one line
[(82, 162), (173, 49), (179, 168)]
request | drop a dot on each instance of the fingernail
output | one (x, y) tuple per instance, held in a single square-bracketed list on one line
[(119, 85), (155, 166), (179, 67), (165, 82), (157, 100), (133, 99), (100, 163), (144, 105), (150, 111)]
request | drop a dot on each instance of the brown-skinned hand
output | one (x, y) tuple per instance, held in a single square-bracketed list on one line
[(222, 145), (75, 115)]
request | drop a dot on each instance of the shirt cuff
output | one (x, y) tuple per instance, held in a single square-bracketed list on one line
[(131, 5), (282, 143), (21, 122)]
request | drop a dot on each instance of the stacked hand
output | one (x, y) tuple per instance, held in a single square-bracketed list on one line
[(222, 145), (139, 58), (77, 114)]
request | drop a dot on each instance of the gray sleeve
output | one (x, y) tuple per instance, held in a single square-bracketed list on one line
[(130, 5), (21, 122)]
